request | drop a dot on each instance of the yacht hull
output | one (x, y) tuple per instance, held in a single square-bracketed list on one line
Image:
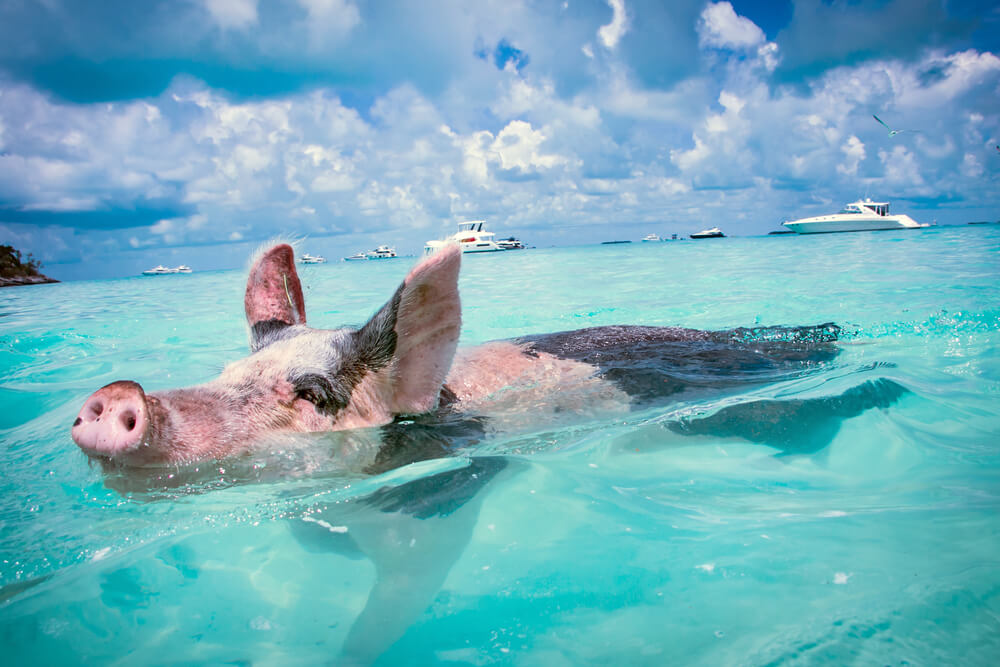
[(829, 224)]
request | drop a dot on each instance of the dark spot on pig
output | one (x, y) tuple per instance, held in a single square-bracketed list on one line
[(376, 341), (328, 395), (79, 420), (447, 397), (433, 435), (367, 350), (265, 332), (651, 363)]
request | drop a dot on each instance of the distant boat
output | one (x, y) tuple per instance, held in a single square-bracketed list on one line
[(781, 231), (381, 252), (613, 242), (306, 258), (160, 270), (860, 216), (713, 233), (510, 244), (471, 236), (651, 238)]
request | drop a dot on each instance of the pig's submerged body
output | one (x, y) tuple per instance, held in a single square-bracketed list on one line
[(627, 520)]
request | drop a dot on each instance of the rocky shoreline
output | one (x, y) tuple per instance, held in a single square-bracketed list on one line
[(16, 270), (14, 281)]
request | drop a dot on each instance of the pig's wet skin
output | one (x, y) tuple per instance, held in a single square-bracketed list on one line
[(404, 362), (397, 391)]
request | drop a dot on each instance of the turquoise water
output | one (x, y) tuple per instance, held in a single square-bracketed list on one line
[(588, 541)]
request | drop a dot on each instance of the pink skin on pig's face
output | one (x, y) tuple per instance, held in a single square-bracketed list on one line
[(298, 379)]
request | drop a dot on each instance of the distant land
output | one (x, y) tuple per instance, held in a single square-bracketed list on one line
[(16, 271)]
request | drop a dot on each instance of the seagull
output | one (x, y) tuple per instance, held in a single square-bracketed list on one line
[(892, 132)]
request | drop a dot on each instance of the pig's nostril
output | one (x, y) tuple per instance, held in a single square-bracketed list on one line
[(79, 420), (127, 419), (96, 408)]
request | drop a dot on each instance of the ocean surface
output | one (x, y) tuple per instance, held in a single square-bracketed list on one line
[(806, 533)]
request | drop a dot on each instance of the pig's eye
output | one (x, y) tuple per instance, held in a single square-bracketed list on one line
[(326, 394)]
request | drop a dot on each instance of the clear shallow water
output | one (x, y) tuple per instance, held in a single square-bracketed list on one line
[(586, 541)]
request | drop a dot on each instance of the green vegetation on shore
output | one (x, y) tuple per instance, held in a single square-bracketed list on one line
[(15, 270)]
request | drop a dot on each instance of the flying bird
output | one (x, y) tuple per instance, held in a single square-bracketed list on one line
[(892, 132)]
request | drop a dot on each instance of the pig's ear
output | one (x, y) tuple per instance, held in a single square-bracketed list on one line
[(411, 342), (273, 299)]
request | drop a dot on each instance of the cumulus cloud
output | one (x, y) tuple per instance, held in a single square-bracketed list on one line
[(232, 14), (612, 33), (328, 19), (721, 27), (854, 153), (522, 145)]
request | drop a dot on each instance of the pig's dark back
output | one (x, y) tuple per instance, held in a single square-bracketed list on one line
[(651, 363)]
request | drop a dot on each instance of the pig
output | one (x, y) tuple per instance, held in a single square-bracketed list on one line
[(405, 361)]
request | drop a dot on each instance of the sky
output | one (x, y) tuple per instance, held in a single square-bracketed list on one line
[(192, 131)]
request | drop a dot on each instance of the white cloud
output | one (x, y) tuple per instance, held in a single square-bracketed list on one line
[(612, 33), (519, 147), (512, 147), (854, 152), (329, 19), (232, 14), (721, 27)]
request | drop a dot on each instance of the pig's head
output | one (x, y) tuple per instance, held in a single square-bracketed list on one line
[(297, 378)]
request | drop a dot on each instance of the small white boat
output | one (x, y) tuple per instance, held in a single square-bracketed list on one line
[(381, 252), (160, 270), (511, 244), (306, 258), (470, 235), (713, 233), (860, 216), (356, 257), (651, 238)]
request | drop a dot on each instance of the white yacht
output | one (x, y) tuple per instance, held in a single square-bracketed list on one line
[(381, 252), (510, 244), (358, 256), (860, 216), (470, 235), (306, 258), (713, 233), (160, 270), (651, 238)]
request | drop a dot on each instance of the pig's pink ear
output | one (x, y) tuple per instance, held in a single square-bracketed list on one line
[(274, 294), (421, 325)]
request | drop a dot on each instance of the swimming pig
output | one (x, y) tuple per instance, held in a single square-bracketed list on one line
[(404, 361)]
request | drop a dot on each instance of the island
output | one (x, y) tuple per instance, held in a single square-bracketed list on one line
[(16, 271)]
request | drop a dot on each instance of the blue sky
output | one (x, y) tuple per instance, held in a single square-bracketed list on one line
[(137, 133)]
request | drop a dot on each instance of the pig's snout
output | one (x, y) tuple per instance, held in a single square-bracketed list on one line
[(113, 420)]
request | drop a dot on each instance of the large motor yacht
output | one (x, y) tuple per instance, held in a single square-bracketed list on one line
[(470, 235), (860, 216), (713, 233), (381, 252)]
